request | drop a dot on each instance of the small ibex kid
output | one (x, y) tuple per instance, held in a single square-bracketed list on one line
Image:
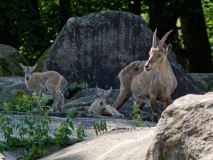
[(50, 80), (100, 107)]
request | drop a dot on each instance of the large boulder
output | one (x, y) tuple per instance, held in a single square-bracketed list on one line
[(9, 85), (95, 47), (9, 61), (114, 146), (185, 130), (126, 127)]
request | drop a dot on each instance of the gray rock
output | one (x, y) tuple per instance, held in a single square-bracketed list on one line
[(86, 97), (112, 126), (204, 80), (185, 130), (95, 47), (114, 146), (9, 85), (9, 61)]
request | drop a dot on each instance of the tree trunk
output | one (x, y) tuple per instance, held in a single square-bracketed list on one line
[(195, 36), (64, 10), (163, 16), (8, 32)]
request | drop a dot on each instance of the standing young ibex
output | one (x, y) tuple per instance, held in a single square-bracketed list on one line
[(50, 80), (100, 107), (155, 81)]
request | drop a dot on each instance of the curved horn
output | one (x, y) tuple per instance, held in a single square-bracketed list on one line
[(163, 40), (154, 39)]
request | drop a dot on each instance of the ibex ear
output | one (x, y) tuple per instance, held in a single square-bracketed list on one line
[(22, 66), (108, 92), (169, 47), (33, 68), (99, 92)]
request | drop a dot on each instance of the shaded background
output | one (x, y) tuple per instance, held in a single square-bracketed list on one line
[(32, 25)]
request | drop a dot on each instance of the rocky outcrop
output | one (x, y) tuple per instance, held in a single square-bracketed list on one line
[(79, 104), (84, 98), (95, 47), (113, 125), (9, 85), (185, 130), (114, 146), (9, 61), (204, 80)]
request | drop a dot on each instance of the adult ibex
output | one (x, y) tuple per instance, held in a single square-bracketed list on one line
[(100, 106), (152, 79), (50, 80)]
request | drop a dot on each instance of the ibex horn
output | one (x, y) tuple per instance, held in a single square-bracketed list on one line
[(163, 40), (154, 39)]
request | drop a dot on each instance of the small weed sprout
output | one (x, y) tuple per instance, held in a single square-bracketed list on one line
[(136, 115), (80, 132), (100, 127)]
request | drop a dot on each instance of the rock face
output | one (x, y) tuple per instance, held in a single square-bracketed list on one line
[(185, 130), (114, 146), (9, 61), (8, 85), (95, 47), (126, 126), (84, 98), (204, 80)]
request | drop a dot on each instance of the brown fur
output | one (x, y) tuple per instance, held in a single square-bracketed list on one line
[(100, 106), (155, 78), (50, 80)]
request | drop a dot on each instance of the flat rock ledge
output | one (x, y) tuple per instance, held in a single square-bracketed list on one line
[(114, 127), (118, 145)]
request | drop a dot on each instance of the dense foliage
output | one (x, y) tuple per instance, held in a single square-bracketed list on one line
[(32, 25), (208, 13), (32, 131)]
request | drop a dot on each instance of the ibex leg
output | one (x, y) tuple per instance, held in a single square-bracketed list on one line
[(121, 99), (153, 103)]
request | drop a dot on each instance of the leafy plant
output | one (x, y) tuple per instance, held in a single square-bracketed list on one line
[(136, 115), (80, 132), (100, 127), (33, 130), (22, 102), (66, 128)]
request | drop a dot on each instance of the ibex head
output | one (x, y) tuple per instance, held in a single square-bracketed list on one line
[(28, 70), (103, 95), (158, 52)]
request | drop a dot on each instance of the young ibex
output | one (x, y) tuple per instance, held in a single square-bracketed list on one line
[(154, 80), (50, 80), (99, 106)]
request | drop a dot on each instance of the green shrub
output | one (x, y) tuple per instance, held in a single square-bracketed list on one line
[(66, 128), (100, 127), (33, 130), (136, 115), (80, 132)]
